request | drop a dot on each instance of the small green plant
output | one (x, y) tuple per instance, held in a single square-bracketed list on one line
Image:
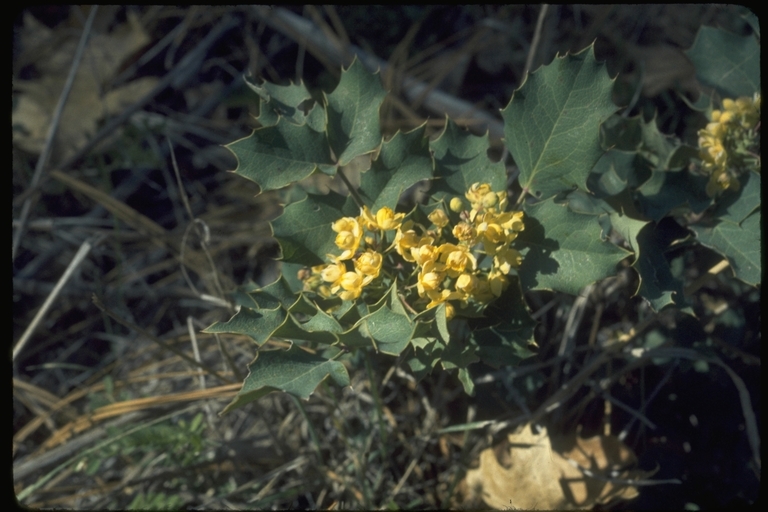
[(442, 282)]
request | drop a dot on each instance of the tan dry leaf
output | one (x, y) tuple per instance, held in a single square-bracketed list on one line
[(87, 103), (534, 477)]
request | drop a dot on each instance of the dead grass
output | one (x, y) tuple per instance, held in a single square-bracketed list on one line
[(99, 393)]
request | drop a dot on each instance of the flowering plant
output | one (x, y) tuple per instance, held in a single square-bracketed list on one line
[(442, 282)]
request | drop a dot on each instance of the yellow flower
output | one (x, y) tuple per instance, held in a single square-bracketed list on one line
[(429, 279), (350, 232), (352, 285), (333, 272), (438, 218), (464, 232), (369, 264), (506, 259), (425, 252), (466, 283), (457, 259), (476, 193), (404, 242)]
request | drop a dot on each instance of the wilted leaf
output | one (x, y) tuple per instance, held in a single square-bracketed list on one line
[(87, 103), (533, 476)]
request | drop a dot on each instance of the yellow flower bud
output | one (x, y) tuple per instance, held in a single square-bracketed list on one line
[(489, 200), (388, 219), (456, 204), (438, 217)]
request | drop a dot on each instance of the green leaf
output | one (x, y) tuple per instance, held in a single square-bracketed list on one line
[(276, 156), (294, 371), (403, 161), (565, 250), (466, 381), (510, 329), (737, 206), (353, 113), (667, 190), (280, 101), (551, 125), (426, 355), (304, 230), (726, 61), (391, 331), (740, 243), (258, 324), (615, 171), (461, 159), (657, 284), (274, 295)]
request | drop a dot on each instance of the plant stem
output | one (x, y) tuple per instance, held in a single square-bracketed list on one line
[(355, 196), (377, 401)]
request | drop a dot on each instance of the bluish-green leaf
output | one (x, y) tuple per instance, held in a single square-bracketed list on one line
[(740, 243), (461, 159), (304, 229), (564, 249), (258, 324), (737, 206), (657, 284), (276, 156), (726, 61), (294, 371), (403, 161), (551, 125), (667, 190), (280, 101), (353, 113)]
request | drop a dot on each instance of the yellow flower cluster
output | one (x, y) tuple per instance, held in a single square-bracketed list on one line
[(725, 142), (444, 257)]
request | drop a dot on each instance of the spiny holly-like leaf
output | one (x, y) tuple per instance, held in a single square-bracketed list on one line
[(657, 285), (276, 156), (294, 371), (510, 329), (403, 161), (304, 229), (740, 243), (636, 135), (391, 331), (258, 324), (615, 171), (551, 125), (461, 159), (353, 113), (278, 101), (727, 62), (566, 252), (666, 190), (737, 206), (274, 295)]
